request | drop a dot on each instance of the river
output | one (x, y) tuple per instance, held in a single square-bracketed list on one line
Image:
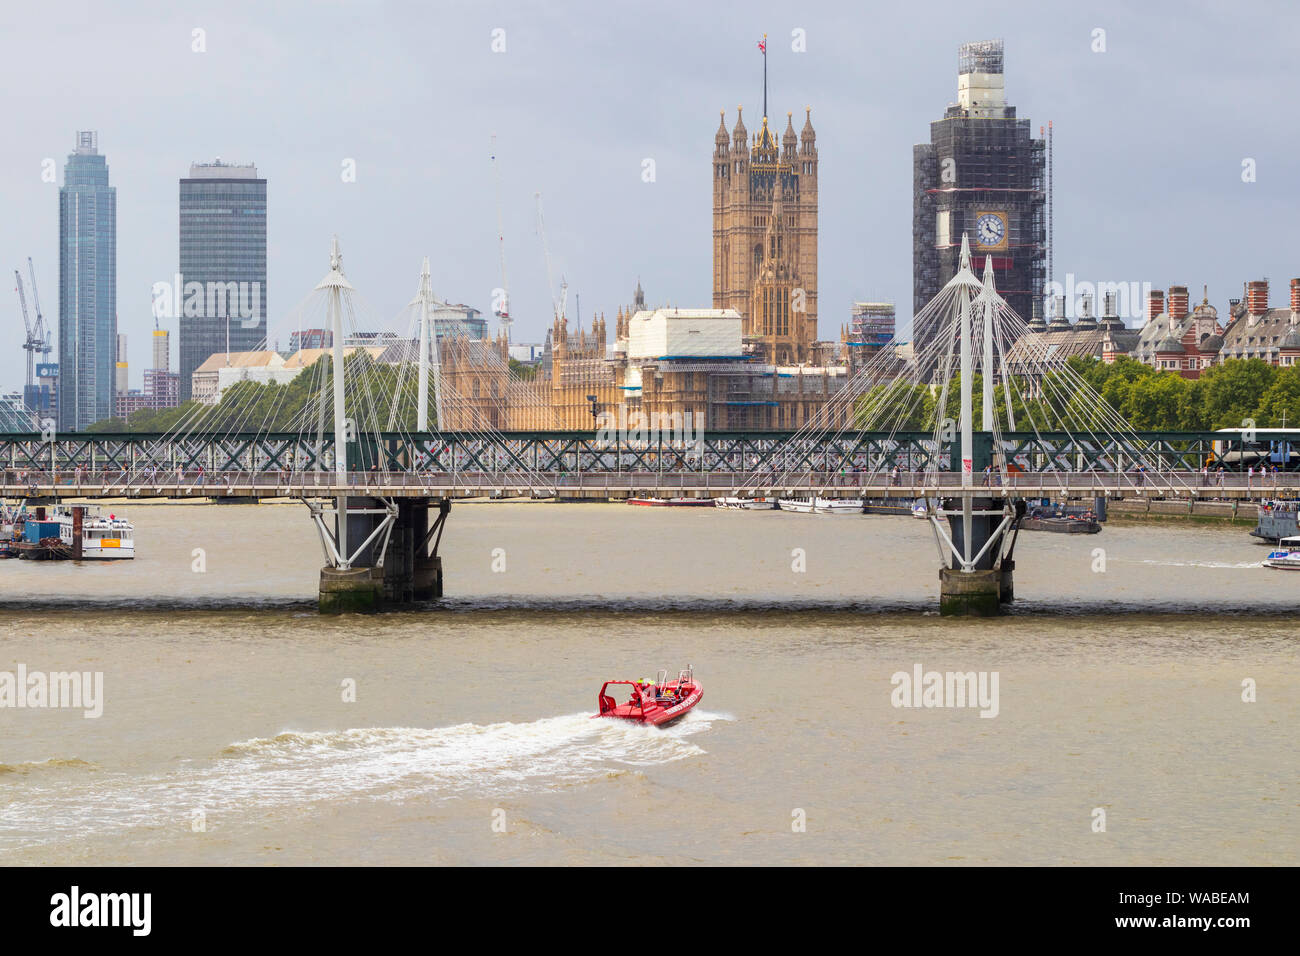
[(229, 734)]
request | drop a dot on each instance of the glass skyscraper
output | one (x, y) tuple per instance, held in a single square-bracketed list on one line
[(223, 250), (87, 287)]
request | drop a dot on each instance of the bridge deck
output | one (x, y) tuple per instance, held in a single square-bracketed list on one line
[(603, 485)]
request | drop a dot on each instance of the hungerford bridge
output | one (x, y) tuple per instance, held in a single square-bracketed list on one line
[(395, 487)]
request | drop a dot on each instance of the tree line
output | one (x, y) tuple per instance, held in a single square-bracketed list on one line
[(1225, 396)]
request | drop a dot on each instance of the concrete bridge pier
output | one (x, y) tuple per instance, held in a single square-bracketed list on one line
[(980, 589), (427, 521), (394, 561)]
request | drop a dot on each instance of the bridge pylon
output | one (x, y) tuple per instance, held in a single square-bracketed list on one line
[(379, 550), (976, 576)]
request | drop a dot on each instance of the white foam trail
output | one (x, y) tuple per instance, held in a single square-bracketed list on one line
[(384, 763)]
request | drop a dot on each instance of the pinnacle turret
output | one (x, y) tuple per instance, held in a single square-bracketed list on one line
[(739, 135), (807, 135), (789, 142)]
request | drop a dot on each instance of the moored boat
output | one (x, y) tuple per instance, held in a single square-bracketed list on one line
[(1060, 521), (78, 533), (887, 506), (920, 509), (1277, 519), (11, 530), (672, 502), (745, 504), (103, 538), (838, 506), (656, 703), (823, 506)]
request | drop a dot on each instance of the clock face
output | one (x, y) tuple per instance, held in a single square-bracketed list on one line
[(990, 229)]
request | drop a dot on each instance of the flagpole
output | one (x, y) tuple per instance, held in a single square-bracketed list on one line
[(764, 76)]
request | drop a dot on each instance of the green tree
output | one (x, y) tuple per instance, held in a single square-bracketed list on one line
[(1233, 391), (1279, 406), (1154, 402)]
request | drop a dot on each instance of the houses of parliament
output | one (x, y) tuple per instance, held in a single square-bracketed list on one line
[(750, 362)]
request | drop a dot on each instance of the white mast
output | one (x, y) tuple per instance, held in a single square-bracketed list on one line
[(967, 438), (986, 365), (422, 414), (336, 283)]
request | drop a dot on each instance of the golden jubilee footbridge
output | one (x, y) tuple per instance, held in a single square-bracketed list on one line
[(998, 425)]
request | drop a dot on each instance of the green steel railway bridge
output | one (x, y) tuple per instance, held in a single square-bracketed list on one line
[(583, 465), (1022, 424)]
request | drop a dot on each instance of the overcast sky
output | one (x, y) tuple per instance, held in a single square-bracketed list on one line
[(1150, 139)]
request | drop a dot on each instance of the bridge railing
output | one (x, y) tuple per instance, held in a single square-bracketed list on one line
[(110, 483)]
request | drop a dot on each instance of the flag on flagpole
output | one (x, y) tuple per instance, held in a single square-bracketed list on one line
[(762, 44)]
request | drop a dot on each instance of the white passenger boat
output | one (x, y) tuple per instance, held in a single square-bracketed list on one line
[(823, 506), (745, 504), (920, 509), (1287, 555), (110, 538), (839, 506)]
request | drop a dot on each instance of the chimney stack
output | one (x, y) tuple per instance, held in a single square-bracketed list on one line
[(1295, 296), (1257, 297), (1155, 303), (1109, 305), (1177, 303)]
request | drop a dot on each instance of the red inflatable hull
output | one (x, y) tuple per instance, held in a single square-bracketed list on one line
[(656, 713)]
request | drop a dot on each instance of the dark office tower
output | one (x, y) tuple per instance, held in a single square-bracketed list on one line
[(87, 287), (222, 264), (982, 173)]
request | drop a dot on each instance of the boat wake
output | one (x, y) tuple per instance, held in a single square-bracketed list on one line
[(296, 768)]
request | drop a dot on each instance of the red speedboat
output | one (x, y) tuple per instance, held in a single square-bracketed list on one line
[(656, 703)]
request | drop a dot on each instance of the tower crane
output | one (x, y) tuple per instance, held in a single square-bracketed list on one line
[(41, 332), (557, 304), (502, 311), (30, 343)]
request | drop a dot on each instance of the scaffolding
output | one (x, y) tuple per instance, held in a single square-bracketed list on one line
[(977, 162), (983, 56)]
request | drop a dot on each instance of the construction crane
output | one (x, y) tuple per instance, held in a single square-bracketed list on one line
[(31, 343), (38, 338), (502, 311), (557, 304), (42, 333)]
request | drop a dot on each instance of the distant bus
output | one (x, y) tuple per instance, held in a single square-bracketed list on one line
[(1237, 454)]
